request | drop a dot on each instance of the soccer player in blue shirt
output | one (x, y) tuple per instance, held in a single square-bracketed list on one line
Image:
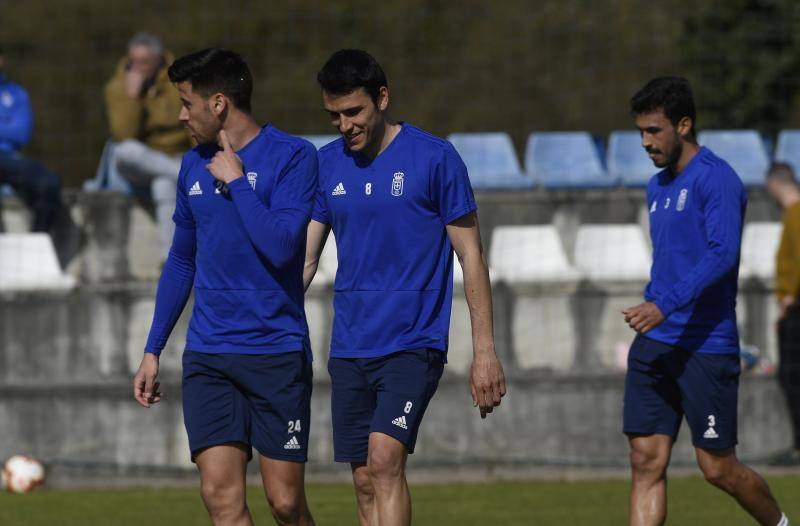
[(399, 201), (684, 360), (244, 199)]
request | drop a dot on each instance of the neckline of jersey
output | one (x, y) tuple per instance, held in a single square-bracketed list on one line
[(369, 162)]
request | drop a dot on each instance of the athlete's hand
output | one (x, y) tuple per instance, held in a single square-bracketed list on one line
[(643, 317), (486, 381), (226, 165), (145, 386)]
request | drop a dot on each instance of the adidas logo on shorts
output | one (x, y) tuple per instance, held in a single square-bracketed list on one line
[(710, 433), (400, 421), (293, 443)]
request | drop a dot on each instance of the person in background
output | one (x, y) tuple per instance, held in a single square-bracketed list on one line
[(782, 187), (147, 136), (36, 185)]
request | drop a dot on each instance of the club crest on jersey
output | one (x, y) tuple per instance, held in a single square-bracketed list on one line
[(397, 184), (251, 178), (682, 200)]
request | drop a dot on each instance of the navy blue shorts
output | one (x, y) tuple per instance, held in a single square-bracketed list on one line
[(664, 383), (388, 395), (260, 400)]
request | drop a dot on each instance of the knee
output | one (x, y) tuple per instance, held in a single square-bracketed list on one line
[(286, 508), (650, 464), (718, 474), (222, 500), (384, 464)]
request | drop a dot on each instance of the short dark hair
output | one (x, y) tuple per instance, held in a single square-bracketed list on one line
[(215, 71), (782, 172), (672, 95), (350, 69)]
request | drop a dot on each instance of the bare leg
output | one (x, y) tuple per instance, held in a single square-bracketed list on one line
[(284, 486), (386, 464), (222, 484), (723, 469), (365, 495), (650, 456)]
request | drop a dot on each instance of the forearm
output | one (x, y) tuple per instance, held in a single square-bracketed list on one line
[(16, 131), (478, 292), (276, 234), (173, 292), (309, 271), (717, 262)]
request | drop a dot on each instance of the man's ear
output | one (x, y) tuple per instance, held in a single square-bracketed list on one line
[(383, 98), (685, 126), (218, 103)]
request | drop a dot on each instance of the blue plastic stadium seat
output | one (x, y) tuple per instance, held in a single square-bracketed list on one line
[(320, 140), (743, 149), (491, 161), (565, 160), (788, 149), (627, 161)]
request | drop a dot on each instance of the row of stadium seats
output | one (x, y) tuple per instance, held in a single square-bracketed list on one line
[(536, 253), (561, 160), (517, 254)]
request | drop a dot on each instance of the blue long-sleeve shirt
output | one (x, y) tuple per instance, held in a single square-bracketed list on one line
[(16, 116), (242, 250), (696, 228)]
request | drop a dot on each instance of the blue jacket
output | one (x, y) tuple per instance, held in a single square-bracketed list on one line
[(16, 116)]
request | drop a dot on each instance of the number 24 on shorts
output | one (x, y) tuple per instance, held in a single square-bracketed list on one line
[(294, 426)]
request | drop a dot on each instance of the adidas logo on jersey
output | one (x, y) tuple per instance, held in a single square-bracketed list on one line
[(293, 443), (195, 189), (400, 421), (339, 190), (710, 433)]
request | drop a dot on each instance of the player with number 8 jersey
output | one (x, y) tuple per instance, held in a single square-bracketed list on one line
[(399, 202)]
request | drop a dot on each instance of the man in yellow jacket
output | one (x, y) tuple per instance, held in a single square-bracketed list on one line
[(783, 187), (142, 107)]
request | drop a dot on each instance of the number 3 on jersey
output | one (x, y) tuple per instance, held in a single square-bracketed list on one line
[(294, 426)]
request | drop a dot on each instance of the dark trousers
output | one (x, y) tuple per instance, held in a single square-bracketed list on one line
[(37, 186), (789, 369)]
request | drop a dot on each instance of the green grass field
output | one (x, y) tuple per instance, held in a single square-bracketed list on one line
[(596, 503)]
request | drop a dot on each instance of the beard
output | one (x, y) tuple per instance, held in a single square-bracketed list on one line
[(670, 158)]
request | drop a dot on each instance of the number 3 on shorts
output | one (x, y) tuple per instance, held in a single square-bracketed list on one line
[(294, 426)]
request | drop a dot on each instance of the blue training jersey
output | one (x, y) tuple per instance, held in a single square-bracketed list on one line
[(696, 228), (250, 247), (394, 285)]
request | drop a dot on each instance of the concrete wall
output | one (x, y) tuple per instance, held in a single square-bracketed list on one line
[(67, 359)]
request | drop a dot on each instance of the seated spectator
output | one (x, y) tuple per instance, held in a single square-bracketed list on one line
[(37, 186), (148, 139)]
